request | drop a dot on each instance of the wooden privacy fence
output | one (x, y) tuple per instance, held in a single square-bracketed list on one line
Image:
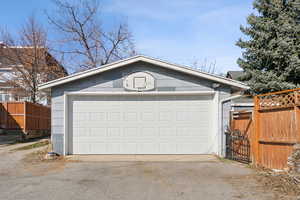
[(273, 128), (276, 127), (25, 116)]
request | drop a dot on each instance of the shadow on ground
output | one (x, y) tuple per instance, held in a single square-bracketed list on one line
[(10, 138)]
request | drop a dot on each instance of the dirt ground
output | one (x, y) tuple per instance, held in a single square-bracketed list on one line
[(281, 182), (24, 175)]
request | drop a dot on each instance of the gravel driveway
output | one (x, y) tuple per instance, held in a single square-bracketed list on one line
[(206, 180)]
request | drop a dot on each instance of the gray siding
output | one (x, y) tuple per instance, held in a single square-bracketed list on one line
[(166, 80), (243, 103)]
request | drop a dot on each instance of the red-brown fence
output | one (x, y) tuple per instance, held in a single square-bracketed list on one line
[(24, 116), (273, 128), (277, 120), (241, 121)]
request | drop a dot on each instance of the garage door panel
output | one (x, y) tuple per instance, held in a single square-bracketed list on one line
[(130, 116), (148, 132), (113, 132), (129, 148), (147, 148), (148, 115), (168, 147), (166, 132), (131, 132), (81, 116), (98, 147), (81, 148), (192, 147), (166, 116), (114, 147), (183, 132), (98, 132), (113, 116), (80, 131), (97, 116), (141, 125)]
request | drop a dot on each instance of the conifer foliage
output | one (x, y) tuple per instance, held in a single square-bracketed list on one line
[(271, 52)]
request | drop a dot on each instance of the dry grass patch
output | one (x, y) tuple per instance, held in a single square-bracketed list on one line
[(39, 156), (281, 182), (36, 163), (33, 146)]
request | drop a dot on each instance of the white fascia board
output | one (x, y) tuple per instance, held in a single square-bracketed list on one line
[(153, 61), (6, 68), (242, 104), (87, 73), (139, 93), (194, 72)]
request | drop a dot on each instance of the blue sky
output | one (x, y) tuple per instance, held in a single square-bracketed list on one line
[(180, 31)]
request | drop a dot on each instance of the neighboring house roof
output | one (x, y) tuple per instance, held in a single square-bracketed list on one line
[(11, 56), (134, 59), (16, 62), (235, 75)]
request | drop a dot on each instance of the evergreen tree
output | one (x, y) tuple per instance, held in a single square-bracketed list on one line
[(271, 56)]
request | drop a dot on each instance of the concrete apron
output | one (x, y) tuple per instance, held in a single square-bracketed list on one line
[(143, 158)]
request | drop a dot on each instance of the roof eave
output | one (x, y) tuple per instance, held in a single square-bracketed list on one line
[(134, 59)]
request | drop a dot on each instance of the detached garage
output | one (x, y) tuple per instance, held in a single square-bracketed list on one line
[(139, 105)]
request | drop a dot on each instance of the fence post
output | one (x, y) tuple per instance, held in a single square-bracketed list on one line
[(256, 135), (6, 114), (297, 116), (24, 117)]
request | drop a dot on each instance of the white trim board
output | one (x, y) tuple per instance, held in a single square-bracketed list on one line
[(243, 104), (66, 124), (139, 93), (139, 58)]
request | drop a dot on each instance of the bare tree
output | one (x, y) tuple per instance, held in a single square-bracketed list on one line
[(84, 41), (205, 66), (28, 56)]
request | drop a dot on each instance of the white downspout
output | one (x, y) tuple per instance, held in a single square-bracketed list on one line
[(230, 98), (222, 150)]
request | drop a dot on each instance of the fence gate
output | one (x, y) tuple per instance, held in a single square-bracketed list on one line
[(237, 147), (238, 136)]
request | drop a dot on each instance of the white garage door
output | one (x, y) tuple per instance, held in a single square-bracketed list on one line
[(140, 125)]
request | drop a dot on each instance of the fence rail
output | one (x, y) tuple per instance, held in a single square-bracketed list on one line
[(278, 100), (24, 116)]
